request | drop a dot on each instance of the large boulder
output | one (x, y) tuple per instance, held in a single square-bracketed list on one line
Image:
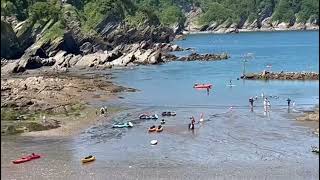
[(11, 67), (73, 61), (124, 59), (298, 26), (60, 58), (283, 26), (142, 56), (266, 23), (155, 58), (91, 60)]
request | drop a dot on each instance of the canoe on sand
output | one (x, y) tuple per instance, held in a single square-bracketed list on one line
[(26, 158), (88, 159)]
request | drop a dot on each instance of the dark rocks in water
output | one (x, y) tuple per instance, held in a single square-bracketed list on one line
[(266, 75), (170, 57), (204, 57)]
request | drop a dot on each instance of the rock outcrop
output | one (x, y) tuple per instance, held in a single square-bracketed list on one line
[(265, 75), (204, 57), (10, 46)]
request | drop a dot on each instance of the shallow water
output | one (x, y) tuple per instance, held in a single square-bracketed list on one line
[(232, 144)]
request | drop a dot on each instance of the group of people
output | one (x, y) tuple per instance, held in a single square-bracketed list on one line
[(266, 102)]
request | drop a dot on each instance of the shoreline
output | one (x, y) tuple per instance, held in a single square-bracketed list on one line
[(248, 31), (70, 127)]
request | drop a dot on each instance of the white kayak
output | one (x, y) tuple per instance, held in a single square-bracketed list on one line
[(123, 125), (153, 142), (230, 85)]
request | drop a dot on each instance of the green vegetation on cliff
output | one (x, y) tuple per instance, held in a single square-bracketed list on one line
[(51, 19), (165, 12), (280, 10)]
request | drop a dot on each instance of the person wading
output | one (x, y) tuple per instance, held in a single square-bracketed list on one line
[(251, 101), (191, 125), (288, 100)]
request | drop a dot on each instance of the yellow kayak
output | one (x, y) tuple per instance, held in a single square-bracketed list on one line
[(88, 159)]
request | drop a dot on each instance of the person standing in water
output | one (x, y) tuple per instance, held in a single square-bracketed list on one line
[(288, 100), (191, 125), (201, 118), (265, 104), (251, 101), (269, 104)]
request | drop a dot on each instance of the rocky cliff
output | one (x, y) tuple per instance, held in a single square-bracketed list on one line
[(107, 33)]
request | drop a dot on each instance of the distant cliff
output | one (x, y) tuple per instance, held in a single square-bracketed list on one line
[(43, 28)]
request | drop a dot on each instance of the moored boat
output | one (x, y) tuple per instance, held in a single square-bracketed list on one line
[(207, 86), (146, 116), (88, 159)]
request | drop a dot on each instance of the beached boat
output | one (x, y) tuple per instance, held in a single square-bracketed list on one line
[(207, 86), (26, 158), (160, 128), (153, 142), (123, 125), (152, 129), (169, 113), (88, 159), (146, 116), (315, 149)]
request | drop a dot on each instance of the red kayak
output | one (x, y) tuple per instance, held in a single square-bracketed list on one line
[(207, 86), (26, 158)]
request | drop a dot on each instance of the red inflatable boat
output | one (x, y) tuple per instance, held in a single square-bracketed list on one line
[(26, 158), (207, 86)]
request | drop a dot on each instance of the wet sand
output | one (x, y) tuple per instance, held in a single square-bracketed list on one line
[(239, 145)]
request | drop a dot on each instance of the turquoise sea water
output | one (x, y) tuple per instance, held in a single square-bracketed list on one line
[(171, 84)]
